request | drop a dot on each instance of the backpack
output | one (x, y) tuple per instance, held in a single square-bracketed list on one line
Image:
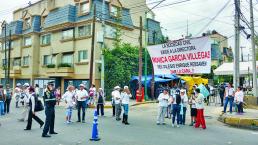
[(38, 104), (178, 99), (8, 94)]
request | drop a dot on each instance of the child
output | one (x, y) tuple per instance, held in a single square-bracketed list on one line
[(193, 109), (69, 100)]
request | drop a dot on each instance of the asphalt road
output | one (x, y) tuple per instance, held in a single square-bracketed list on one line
[(142, 131)]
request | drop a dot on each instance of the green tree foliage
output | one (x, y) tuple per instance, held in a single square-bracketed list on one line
[(121, 63)]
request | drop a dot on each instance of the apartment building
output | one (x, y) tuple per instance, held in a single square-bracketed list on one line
[(51, 39), (220, 52)]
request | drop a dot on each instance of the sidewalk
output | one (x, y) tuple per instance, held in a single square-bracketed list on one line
[(247, 120)]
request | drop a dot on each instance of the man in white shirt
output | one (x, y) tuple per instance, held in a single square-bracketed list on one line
[(229, 98), (81, 96), (117, 97), (163, 104)]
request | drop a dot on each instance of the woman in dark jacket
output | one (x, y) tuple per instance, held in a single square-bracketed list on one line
[(33, 100)]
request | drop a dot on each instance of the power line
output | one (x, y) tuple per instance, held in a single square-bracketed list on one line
[(213, 18)]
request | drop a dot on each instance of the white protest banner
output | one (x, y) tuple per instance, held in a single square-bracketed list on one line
[(185, 56)]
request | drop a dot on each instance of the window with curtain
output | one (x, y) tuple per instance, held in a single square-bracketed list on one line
[(7, 45), (67, 34), (84, 30), (27, 23), (26, 61), (17, 62), (85, 7), (45, 39), (110, 31), (82, 55), (47, 60), (115, 11), (67, 58), (27, 41)]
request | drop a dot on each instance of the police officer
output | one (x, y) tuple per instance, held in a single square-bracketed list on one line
[(50, 102)]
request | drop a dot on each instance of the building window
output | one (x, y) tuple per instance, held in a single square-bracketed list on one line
[(115, 11), (53, 59), (110, 31), (7, 45), (25, 61), (67, 59), (17, 62), (68, 34), (84, 30), (45, 39), (47, 60), (85, 7), (4, 62), (43, 19), (82, 55), (27, 23), (27, 41)]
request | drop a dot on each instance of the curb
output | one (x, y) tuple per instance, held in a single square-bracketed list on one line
[(142, 103), (248, 123)]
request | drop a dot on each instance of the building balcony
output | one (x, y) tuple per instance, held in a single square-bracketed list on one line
[(14, 72), (60, 72)]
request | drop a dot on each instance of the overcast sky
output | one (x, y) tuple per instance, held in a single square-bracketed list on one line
[(174, 18)]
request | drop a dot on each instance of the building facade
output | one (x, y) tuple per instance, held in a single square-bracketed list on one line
[(51, 39), (220, 52)]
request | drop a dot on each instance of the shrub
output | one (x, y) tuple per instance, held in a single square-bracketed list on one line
[(51, 66), (64, 65)]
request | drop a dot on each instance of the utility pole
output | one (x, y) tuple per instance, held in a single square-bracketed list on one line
[(248, 71), (92, 46), (103, 45), (145, 58), (5, 54), (253, 50), (9, 57), (152, 73), (242, 55), (140, 58), (237, 44)]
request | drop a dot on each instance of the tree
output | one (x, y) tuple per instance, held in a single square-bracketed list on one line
[(121, 63)]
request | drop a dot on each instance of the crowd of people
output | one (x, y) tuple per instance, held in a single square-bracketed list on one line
[(229, 95), (27, 99), (175, 102)]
